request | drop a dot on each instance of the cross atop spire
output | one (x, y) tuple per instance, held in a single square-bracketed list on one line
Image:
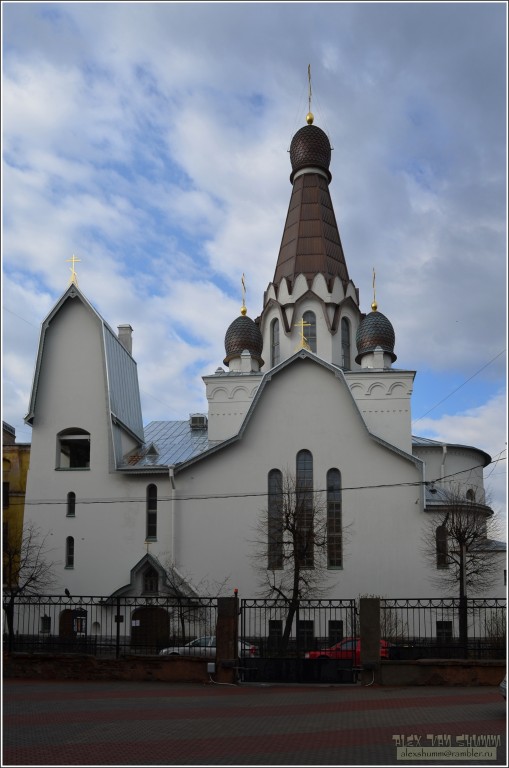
[(74, 277), (303, 344), (243, 309), (309, 117)]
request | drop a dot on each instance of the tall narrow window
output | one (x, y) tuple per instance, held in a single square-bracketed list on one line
[(442, 547), (152, 512), (345, 344), (69, 552), (150, 580), (71, 504), (310, 329), (274, 343), (304, 510), (275, 521), (334, 522)]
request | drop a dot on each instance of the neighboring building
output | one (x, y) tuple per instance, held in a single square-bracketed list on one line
[(15, 461), (308, 387)]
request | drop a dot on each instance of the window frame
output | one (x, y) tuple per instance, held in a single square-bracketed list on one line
[(346, 356), (71, 504), (275, 520), (69, 552), (74, 447), (151, 513), (304, 500), (310, 333), (334, 520), (275, 349)]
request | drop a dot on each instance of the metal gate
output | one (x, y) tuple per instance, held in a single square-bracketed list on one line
[(295, 644)]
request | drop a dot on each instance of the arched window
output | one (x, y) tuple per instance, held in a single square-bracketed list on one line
[(470, 494), (275, 521), (442, 547), (151, 512), (304, 510), (309, 319), (71, 504), (73, 449), (345, 344), (69, 552), (150, 580), (274, 343), (334, 522)]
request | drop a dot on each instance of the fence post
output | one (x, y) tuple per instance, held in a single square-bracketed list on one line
[(227, 653), (117, 621), (370, 637)]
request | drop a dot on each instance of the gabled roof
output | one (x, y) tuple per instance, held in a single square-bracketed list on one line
[(121, 370), (180, 446)]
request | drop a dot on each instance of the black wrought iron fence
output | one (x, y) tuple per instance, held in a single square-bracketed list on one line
[(279, 631), (106, 626), (432, 627)]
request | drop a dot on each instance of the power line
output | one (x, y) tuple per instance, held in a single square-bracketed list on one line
[(260, 494), (460, 386)]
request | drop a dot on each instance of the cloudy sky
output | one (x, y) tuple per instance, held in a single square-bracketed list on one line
[(151, 141)]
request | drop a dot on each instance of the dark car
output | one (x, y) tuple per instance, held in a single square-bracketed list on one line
[(348, 648)]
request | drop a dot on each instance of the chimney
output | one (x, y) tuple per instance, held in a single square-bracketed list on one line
[(125, 337)]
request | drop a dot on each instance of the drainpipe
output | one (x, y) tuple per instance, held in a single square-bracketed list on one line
[(442, 465), (172, 512)]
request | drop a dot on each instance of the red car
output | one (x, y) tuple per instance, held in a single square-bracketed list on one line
[(348, 648)]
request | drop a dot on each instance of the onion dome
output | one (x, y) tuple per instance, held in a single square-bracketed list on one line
[(310, 148), (243, 334), (375, 330)]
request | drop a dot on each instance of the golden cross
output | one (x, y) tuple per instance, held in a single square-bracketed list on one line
[(74, 278), (303, 341), (374, 305)]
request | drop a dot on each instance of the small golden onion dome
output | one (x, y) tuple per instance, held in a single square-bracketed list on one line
[(374, 306), (309, 118), (243, 311)]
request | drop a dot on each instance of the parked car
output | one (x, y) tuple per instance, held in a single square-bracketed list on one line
[(348, 648), (206, 646), (503, 687)]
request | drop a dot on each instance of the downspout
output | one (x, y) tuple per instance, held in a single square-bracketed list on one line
[(172, 512), (442, 465)]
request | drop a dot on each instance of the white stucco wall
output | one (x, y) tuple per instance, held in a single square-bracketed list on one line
[(305, 407), (109, 525)]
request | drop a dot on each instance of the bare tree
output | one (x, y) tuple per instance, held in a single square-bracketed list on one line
[(27, 569), (187, 596), (292, 546), (458, 548)]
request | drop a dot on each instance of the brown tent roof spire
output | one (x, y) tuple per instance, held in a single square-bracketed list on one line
[(311, 244)]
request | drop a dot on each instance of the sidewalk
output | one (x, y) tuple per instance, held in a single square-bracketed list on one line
[(119, 723)]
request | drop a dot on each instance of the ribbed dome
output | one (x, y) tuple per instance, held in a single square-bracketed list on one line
[(310, 147), (243, 334), (375, 331)]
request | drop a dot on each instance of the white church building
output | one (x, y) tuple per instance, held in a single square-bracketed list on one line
[(308, 388)]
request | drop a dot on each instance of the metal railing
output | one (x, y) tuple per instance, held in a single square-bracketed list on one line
[(278, 632), (432, 627), (106, 626), (122, 626)]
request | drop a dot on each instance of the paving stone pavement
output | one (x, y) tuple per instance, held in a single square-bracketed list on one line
[(152, 723)]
